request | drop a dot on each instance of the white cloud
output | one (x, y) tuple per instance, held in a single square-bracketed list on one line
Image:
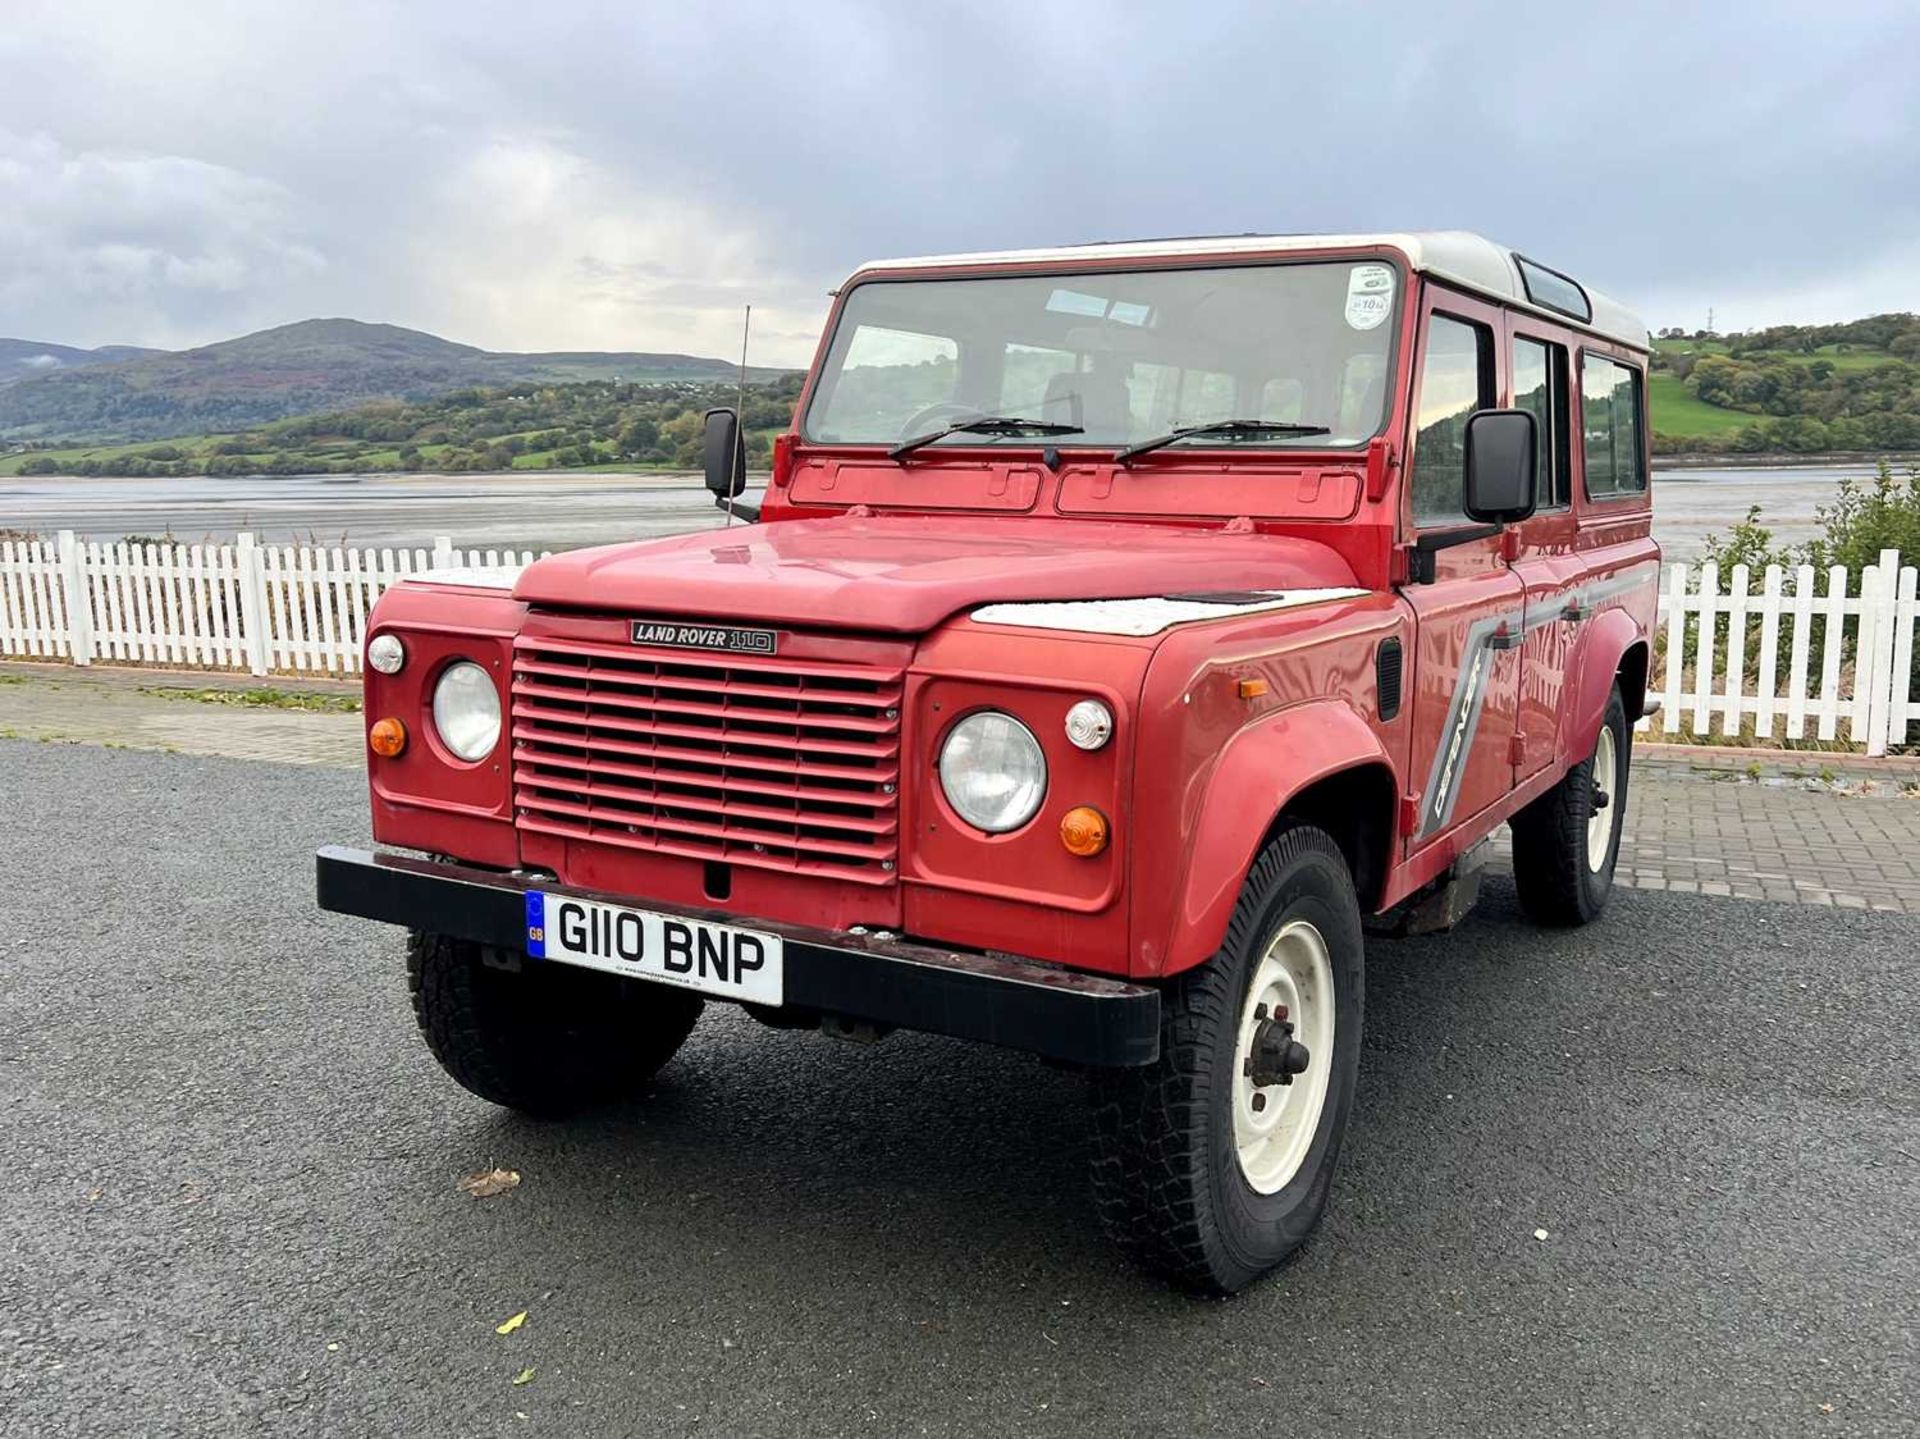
[(540, 248), (137, 244)]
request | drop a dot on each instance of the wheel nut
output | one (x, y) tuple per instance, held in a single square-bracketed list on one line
[(1259, 1102)]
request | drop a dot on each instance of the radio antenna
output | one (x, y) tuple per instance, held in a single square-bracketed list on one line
[(740, 412)]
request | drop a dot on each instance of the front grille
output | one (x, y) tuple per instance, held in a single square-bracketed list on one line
[(782, 764)]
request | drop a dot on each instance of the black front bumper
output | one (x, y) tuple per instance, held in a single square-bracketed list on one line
[(1019, 1003)]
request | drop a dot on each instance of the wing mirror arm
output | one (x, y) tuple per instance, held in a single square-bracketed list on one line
[(1420, 566)]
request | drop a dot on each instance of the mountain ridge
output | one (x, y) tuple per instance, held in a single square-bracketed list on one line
[(324, 363)]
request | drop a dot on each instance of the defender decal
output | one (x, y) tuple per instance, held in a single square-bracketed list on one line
[(1463, 722), (675, 634)]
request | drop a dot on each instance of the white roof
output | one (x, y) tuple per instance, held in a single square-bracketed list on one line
[(1465, 259)]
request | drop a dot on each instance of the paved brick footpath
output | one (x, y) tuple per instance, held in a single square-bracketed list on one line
[(1807, 829), (155, 710)]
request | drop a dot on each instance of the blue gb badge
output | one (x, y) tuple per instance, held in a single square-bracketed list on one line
[(536, 924)]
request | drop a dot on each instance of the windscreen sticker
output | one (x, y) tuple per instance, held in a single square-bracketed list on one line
[(1369, 295)]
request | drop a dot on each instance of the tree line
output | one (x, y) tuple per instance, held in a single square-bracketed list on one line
[(558, 426)]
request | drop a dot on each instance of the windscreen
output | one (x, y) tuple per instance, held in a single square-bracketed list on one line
[(1121, 356)]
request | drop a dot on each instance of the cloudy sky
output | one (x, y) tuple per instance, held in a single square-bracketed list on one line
[(571, 175)]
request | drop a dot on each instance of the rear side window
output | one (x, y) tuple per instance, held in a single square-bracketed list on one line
[(1540, 388), (1456, 378), (1610, 428)]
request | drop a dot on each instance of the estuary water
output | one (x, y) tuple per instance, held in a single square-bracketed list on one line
[(566, 510)]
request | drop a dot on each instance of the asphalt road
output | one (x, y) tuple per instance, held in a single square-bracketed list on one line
[(228, 1175)]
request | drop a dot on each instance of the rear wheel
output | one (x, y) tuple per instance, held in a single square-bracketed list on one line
[(1566, 843), (546, 1039), (1213, 1164)]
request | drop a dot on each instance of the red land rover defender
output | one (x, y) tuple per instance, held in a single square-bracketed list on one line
[(1124, 630)]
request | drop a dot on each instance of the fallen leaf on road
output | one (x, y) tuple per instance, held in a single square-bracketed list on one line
[(525, 1376), (489, 1182), (507, 1326)]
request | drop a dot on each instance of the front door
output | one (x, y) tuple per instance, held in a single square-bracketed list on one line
[(1470, 621)]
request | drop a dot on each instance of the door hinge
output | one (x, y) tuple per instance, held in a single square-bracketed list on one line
[(1517, 748)]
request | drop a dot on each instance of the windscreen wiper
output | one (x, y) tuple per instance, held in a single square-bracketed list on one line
[(984, 425), (1219, 427)]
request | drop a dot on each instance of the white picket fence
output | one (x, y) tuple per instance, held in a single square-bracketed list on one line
[(303, 609), (241, 606), (1865, 644)]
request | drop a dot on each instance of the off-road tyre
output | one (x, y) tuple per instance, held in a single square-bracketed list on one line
[(1167, 1179), (1553, 872), (546, 1039)]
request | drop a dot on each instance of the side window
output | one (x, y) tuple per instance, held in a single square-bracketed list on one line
[(1027, 375), (1611, 428), (1456, 378), (1205, 396), (1283, 400), (1540, 386), (1363, 398), (887, 373)]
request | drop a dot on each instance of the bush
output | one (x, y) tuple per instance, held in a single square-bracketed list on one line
[(1863, 521)]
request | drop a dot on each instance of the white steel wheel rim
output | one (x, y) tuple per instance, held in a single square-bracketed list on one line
[(1272, 1139), (1600, 821)]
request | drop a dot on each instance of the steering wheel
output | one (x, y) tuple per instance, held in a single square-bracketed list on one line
[(935, 417)]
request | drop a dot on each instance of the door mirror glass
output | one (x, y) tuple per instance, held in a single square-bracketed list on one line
[(725, 454), (1501, 463)]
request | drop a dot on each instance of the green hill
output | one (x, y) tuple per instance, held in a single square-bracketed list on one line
[(1805, 389), (598, 423), (303, 368)]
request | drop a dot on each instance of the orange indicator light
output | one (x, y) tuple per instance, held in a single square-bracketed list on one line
[(387, 737), (1083, 831), (1252, 689)]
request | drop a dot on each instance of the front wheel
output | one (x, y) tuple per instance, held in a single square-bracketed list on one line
[(1566, 843), (1213, 1164), (547, 1039)]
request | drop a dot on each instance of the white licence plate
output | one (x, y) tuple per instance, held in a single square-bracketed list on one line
[(713, 958)]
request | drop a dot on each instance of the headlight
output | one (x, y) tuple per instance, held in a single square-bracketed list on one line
[(993, 771), (466, 711), (386, 654)]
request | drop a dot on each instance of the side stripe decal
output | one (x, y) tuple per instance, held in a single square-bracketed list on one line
[(1484, 637)]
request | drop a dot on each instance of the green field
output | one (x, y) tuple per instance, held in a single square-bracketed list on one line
[(1677, 412)]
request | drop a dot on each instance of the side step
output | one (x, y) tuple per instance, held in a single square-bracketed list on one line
[(1442, 904)]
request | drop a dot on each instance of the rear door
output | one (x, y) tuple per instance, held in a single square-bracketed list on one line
[(1470, 618), (1539, 377)]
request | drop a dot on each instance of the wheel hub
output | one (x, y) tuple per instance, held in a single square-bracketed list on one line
[(1277, 1056), (1280, 1079), (1604, 782)]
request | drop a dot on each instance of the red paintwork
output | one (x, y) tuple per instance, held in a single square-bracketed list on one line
[(864, 562), (901, 575)]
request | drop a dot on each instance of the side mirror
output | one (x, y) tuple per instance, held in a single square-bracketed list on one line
[(1501, 461), (725, 455), (1500, 465)]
